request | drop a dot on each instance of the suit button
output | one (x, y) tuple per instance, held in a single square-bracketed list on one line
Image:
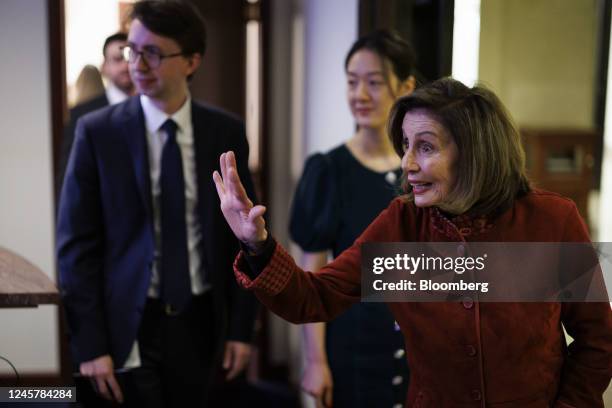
[(460, 250), (468, 302), (397, 380), (471, 350), (399, 353), (476, 395)]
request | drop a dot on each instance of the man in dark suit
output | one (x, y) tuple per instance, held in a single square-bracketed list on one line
[(119, 87), (145, 256)]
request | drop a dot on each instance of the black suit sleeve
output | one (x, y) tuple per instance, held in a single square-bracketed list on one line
[(67, 140), (80, 247), (69, 135)]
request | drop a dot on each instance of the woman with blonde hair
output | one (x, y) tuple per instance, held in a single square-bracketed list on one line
[(88, 85)]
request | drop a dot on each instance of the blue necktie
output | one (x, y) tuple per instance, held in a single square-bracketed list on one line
[(175, 278)]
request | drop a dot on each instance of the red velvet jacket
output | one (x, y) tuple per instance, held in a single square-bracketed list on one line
[(466, 354)]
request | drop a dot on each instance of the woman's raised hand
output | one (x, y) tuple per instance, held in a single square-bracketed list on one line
[(245, 220)]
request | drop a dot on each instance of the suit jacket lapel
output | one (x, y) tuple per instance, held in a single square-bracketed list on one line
[(206, 146), (135, 135)]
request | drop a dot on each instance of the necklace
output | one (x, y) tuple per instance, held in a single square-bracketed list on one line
[(391, 177), (356, 152)]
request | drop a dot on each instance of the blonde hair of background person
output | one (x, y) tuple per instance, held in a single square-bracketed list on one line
[(88, 85)]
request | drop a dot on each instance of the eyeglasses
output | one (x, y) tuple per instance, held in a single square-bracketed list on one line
[(152, 58)]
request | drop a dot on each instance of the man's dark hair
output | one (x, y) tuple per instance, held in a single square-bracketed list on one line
[(178, 20), (111, 39)]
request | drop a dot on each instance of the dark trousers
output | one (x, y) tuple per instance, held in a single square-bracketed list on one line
[(176, 353)]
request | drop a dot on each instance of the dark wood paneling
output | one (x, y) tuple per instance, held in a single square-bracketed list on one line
[(426, 24), (59, 115), (604, 11), (562, 160), (57, 80), (220, 80)]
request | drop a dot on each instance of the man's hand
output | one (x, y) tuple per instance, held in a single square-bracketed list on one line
[(236, 358), (317, 381), (100, 372)]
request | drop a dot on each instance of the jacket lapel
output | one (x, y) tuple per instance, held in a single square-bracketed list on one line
[(206, 146), (135, 136)]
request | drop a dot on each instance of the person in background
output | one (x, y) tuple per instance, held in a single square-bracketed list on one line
[(88, 85), (119, 87), (464, 181), (144, 254), (338, 196)]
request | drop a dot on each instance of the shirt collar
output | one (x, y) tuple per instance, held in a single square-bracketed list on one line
[(154, 117), (114, 94)]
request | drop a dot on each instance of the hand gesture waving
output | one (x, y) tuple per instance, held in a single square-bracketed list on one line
[(245, 220)]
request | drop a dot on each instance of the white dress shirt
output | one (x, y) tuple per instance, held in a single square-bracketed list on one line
[(114, 94), (156, 138)]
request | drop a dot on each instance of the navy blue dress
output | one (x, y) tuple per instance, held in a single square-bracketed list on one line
[(336, 199)]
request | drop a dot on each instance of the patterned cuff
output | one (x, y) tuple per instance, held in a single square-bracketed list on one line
[(272, 279)]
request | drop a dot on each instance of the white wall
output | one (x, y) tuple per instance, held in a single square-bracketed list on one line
[(539, 58), (606, 176), (88, 23), (310, 39), (331, 28), (28, 337)]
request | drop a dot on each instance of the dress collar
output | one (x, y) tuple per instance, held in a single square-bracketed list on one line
[(461, 226)]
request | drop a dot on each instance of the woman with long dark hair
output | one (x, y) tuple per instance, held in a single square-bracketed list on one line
[(338, 195)]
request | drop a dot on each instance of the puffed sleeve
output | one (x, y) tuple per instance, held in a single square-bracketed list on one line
[(315, 210)]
